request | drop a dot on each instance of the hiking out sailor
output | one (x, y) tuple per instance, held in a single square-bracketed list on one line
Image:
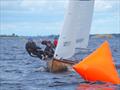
[(49, 49), (33, 50)]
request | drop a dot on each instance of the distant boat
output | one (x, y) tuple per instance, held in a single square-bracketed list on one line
[(75, 30)]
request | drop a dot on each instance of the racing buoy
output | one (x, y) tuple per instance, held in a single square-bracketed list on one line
[(98, 66)]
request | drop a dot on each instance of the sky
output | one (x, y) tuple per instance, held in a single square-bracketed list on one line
[(45, 17)]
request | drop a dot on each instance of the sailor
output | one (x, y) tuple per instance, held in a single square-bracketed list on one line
[(55, 42), (49, 49), (33, 50)]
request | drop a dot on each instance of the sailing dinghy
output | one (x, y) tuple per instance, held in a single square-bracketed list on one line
[(75, 31)]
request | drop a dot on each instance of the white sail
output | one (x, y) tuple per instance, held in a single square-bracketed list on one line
[(83, 19), (72, 28)]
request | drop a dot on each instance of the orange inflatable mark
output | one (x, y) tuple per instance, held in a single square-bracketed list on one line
[(98, 66)]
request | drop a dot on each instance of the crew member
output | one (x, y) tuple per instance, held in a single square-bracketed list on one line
[(55, 42), (48, 51), (33, 50)]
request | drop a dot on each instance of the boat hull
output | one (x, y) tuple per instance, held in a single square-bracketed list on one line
[(56, 66)]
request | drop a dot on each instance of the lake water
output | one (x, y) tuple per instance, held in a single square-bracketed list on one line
[(18, 69)]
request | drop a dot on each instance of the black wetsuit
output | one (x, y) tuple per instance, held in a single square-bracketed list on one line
[(49, 50), (33, 50)]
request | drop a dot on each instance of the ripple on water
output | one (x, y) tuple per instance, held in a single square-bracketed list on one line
[(18, 69)]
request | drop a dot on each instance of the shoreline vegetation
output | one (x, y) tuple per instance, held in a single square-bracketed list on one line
[(53, 36), (12, 35)]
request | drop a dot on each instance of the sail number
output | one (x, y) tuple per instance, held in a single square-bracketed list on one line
[(79, 40), (66, 43)]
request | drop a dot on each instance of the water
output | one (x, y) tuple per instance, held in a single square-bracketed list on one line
[(17, 68)]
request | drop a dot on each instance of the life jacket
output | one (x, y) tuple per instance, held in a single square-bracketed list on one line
[(55, 42)]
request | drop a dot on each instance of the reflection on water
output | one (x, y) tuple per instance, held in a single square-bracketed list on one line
[(97, 87), (17, 68)]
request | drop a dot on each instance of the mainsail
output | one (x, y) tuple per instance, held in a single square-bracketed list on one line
[(83, 18), (76, 27)]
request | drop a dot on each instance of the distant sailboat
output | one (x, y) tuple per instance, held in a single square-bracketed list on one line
[(76, 28)]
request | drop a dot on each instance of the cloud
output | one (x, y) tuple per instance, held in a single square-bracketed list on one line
[(9, 4), (100, 5), (51, 5), (31, 4), (104, 5), (41, 5), (44, 4), (41, 16)]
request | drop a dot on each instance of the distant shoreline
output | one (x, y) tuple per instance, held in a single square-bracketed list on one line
[(8, 36), (98, 35)]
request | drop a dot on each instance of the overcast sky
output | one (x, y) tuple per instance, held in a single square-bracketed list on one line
[(45, 17)]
